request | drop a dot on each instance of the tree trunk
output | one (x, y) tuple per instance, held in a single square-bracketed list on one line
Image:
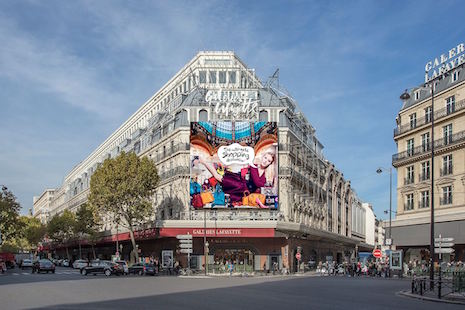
[(80, 251), (93, 251), (67, 253), (133, 241)]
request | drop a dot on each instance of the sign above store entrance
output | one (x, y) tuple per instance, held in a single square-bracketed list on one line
[(233, 104), (445, 63)]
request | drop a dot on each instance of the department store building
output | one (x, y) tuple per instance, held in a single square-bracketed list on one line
[(316, 211)]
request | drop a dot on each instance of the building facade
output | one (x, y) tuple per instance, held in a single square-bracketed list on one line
[(314, 216), (413, 136), (41, 205)]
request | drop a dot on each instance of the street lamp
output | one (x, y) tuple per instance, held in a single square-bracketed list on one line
[(404, 97), (379, 171)]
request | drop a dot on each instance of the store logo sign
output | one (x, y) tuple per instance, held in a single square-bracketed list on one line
[(445, 63), (236, 154), (233, 104)]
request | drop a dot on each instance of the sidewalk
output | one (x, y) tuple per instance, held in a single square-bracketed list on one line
[(452, 298)]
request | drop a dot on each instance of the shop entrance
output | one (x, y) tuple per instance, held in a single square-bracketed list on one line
[(243, 259)]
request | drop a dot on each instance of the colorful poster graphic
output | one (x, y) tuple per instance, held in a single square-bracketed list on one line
[(234, 165)]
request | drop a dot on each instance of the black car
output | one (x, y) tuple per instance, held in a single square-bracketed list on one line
[(43, 265), (106, 267), (142, 268)]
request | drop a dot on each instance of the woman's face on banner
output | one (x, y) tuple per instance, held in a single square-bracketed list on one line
[(267, 159)]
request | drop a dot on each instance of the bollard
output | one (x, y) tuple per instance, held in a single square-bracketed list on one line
[(413, 286)]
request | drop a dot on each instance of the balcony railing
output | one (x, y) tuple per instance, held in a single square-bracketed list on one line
[(408, 206), (170, 151), (446, 171), (409, 180), (423, 176), (460, 105), (445, 200), (423, 204), (419, 150)]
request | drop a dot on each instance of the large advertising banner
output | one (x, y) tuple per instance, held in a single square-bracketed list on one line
[(234, 165)]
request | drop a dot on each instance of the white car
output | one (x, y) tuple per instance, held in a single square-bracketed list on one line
[(25, 263), (65, 263), (80, 263)]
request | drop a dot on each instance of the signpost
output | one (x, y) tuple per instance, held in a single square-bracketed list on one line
[(377, 253), (185, 243), (442, 246)]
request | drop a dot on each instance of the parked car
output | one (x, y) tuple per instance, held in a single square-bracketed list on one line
[(43, 265), (80, 263), (106, 267), (94, 263), (2, 266), (65, 263), (123, 264), (26, 263), (150, 269), (138, 268)]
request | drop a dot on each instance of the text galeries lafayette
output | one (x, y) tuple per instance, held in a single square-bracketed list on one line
[(445, 63)]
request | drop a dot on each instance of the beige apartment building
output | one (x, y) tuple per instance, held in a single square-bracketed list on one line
[(411, 227)]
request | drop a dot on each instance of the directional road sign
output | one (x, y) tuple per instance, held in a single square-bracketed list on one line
[(186, 251), (444, 244), (185, 245), (184, 237), (185, 241), (443, 239), (444, 250)]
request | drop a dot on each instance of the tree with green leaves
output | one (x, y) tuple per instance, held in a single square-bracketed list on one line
[(61, 228), (87, 225), (9, 217), (123, 187), (32, 230)]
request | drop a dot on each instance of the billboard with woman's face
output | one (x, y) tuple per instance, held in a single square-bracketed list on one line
[(234, 165)]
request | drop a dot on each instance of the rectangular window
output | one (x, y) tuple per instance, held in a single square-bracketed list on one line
[(413, 120), (455, 76), (446, 165), (428, 114), (409, 203), (424, 203), (222, 77), (417, 95), (425, 142), (232, 77), (446, 195), (202, 77), (424, 171), (212, 77), (450, 105), (410, 175), (447, 133), (410, 144)]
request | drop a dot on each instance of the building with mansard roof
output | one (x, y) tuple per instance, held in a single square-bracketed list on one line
[(313, 210)]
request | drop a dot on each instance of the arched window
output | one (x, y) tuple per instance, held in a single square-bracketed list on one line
[(263, 116), (203, 116)]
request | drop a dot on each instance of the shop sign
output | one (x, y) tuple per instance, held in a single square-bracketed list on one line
[(445, 63), (233, 104), (219, 232)]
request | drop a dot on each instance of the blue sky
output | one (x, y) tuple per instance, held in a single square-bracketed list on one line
[(72, 71)]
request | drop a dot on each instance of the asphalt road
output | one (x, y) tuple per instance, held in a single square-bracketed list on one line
[(67, 289)]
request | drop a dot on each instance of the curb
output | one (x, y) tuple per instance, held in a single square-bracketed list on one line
[(408, 294)]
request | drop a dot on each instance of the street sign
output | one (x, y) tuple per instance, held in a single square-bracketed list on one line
[(186, 251), (388, 241), (444, 244), (298, 256), (185, 241), (377, 253), (444, 250), (185, 245), (184, 237), (449, 239)]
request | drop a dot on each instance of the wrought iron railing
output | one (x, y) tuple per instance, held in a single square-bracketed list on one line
[(438, 144), (460, 105)]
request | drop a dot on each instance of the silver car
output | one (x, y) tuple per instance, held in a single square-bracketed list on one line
[(80, 263), (26, 263)]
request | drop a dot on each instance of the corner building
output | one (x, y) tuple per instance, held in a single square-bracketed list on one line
[(411, 227), (316, 204)]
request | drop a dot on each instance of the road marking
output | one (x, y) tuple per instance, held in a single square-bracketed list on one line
[(15, 274), (25, 273)]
